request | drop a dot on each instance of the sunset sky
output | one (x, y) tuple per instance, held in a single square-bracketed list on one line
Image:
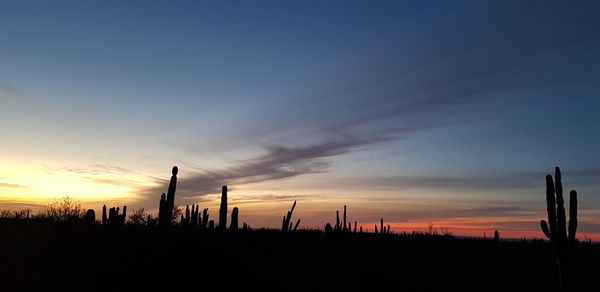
[(450, 112)]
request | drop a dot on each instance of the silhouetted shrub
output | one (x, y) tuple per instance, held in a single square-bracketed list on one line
[(139, 217), (64, 209)]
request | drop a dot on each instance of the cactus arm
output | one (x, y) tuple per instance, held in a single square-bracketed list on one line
[(551, 205), (297, 224), (572, 215), (545, 229), (560, 205)]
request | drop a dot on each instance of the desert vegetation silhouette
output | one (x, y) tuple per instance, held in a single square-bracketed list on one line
[(65, 246)]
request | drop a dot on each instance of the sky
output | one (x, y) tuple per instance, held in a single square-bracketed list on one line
[(418, 112)]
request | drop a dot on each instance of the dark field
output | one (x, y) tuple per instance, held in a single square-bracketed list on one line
[(51, 256)]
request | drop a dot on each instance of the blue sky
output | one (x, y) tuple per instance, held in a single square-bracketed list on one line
[(331, 102)]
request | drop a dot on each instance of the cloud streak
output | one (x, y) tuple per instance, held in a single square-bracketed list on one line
[(279, 162), (15, 186)]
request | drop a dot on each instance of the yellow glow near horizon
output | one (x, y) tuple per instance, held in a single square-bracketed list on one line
[(39, 184)]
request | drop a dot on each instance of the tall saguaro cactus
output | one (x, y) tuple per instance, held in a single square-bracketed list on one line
[(223, 209), (556, 226), (104, 216), (557, 232), (167, 202)]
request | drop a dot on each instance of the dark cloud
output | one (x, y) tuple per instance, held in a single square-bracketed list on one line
[(279, 162)]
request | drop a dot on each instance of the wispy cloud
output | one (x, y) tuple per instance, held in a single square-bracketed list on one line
[(279, 162), (107, 174), (16, 186), (8, 92)]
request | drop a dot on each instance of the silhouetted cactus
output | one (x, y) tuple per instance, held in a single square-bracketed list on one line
[(556, 227), (355, 224), (337, 221), (211, 224), (234, 219), (286, 224), (90, 217), (382, 229), (297, 224), (185, 220), (114, 218), (328, 228), (345, 228), (204, 223), (557, 232), (223, 209), (496, 236), (376, 228), (195, 216), (104, 217), (167, 202)]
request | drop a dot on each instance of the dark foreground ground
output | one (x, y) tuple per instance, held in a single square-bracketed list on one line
[(73, 257)]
